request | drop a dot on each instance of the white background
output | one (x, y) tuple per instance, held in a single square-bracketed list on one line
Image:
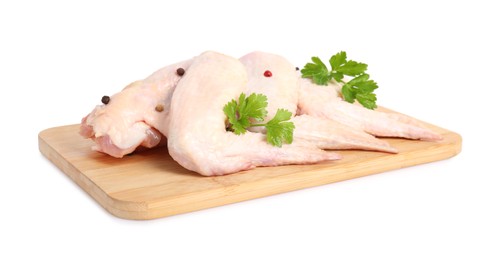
[(57, 59)]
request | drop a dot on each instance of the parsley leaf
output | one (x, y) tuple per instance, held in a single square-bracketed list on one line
[(338, 59), (254, 106), (317, 71), (359, 88), (278, 130), (352, 68), (239, 114), (237, 126)]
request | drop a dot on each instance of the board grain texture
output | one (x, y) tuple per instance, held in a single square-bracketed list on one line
[(149, 184)]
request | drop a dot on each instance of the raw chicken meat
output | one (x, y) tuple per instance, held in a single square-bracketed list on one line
[(282, 91), (197, 136), (325, 102), (136, 116), (281, 88), (188, 110)]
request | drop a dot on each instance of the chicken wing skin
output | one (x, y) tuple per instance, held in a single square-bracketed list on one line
[(136, 116), (325, 102), (197, 136), (282, 91), (188, 110)]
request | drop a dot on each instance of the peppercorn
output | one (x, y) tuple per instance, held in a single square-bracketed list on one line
[(105, 99), (268, 73), (180, 71), (297, 68), (159, 108)]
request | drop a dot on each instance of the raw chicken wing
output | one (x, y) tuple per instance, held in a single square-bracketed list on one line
[(197, 136), (136, 116), (282, 91), (325, 102)]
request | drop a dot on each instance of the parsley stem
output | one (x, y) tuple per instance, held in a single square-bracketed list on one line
[(258, 125)]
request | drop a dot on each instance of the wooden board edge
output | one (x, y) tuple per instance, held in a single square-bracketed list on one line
[(224, 196), (267, 187), (118, 208)]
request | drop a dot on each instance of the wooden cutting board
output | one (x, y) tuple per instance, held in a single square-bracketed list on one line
[(149, 184)]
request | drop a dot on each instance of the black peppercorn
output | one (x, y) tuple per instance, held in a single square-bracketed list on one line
[(105, 99)]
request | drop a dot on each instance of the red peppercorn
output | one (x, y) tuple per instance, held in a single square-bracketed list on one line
[(268, 73), (180, 71)]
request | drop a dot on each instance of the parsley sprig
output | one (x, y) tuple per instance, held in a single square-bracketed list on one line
[(254, 106), (359, 88)]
